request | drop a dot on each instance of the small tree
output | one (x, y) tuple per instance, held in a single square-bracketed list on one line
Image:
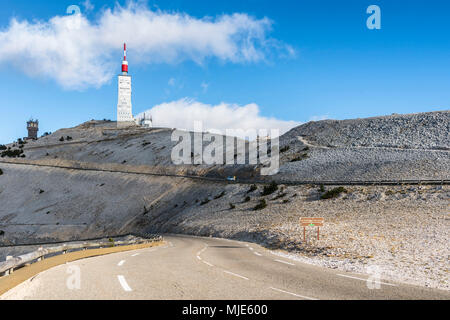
[(271, 188), (333, 193), (61, 139), (253, 187), (261, 205), (220, 195)]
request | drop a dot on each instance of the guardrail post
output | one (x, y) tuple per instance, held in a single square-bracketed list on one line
[(9, 271)]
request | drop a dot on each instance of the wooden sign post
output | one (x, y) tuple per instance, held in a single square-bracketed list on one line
[(311, 222)]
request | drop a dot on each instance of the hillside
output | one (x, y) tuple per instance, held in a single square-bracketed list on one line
[(428, 131), (404, 228)]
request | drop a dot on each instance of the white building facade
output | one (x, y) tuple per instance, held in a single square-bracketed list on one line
[(124, 108)]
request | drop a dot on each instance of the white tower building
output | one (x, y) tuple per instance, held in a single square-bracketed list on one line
[(124, 109)]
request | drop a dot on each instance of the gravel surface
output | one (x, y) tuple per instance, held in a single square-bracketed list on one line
[(404, 231)]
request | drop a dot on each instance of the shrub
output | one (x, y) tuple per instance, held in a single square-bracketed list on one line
[(68, 138), (220, 195), (3, 147), (2, 233), (333, 193), (322, 188), (247, 199), (305, 148), (61, 139), (12, 153), (232, 206), (300, 157), (1, 172), (111, 242), (253, 187), (285, 200), (280, 195), (284, 149), (271, 188), (205, 201), (261, 205), (41, 191)]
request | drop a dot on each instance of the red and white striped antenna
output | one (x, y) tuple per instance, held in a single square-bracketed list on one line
[(124, 62)]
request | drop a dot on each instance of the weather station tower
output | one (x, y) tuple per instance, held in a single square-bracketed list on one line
[(124, 110)]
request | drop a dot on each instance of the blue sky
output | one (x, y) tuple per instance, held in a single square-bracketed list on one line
[(340, 68)]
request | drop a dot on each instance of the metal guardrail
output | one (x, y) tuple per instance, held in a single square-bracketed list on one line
[(7, 267)]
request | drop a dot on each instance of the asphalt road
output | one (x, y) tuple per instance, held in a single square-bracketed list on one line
[(205, 268)]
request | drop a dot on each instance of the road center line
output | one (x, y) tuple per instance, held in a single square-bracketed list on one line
[(121, 263), (285, 262), (236, 275), (258, 254), (124, 283), (293, 294), (362, 279), (136, 254)]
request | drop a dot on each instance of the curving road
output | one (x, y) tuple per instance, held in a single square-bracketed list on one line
[(206, 268)]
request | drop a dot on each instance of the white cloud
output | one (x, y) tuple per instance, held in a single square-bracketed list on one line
[(319, 118), (183, 113), (78, 53), (171, 82)]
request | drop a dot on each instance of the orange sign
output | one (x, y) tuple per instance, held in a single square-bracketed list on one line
[(311, 222)]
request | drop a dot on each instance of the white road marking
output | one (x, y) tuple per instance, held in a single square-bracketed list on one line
[(362, 279), (236, 275), (251, 248), (121, 263), (294, 294), (258, 254), (136, 254), (206, 262), (124, 283), (198, 257), (285, 262)]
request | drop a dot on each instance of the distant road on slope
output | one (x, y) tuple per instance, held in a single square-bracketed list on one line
[(240, 181), (208, 268)]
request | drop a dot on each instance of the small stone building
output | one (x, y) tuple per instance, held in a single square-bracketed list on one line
[(33, 128)]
